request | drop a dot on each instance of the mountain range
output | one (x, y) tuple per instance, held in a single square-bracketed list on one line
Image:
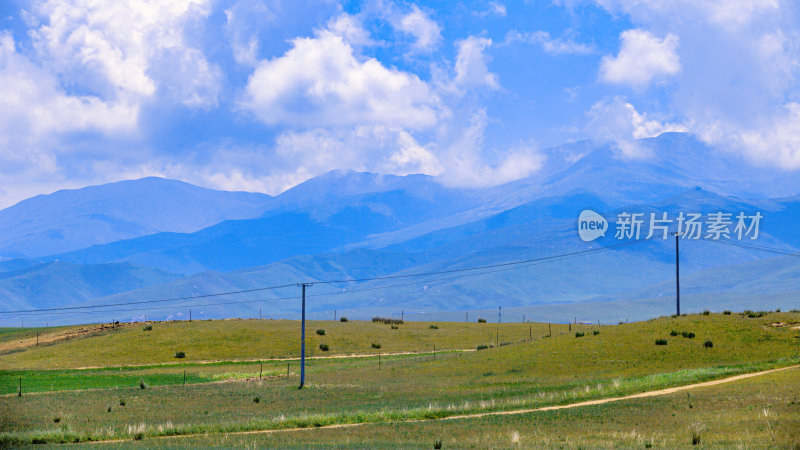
[(157, 239)]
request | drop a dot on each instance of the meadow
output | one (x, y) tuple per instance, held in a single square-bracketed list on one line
[(123, 385)]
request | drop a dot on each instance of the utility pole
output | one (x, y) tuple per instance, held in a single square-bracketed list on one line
[(190, 315), (677, 274), (500, 314), (303, 337), (259, 314), (403, 315), (466, 317)]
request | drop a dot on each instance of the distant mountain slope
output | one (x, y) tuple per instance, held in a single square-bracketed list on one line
[(73, 219), (60, 283)]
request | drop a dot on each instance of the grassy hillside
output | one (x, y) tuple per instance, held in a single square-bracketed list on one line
[(562, 369)]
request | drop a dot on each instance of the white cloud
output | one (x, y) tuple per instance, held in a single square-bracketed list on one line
[(114, 47), (465, 164), (322, 82), (243, 19), (618, 121), (730, 14), (424, 29), (471, 64), (556, 46), (494, 8), (739, 70), (641, 58), (351, 31)]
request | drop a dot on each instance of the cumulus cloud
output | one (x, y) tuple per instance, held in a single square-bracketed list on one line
[(556, 46), (471, 64), (116, 47), (322, 82), (739, 70), (424, 29), (618, 121), (243, 21), (494, 8), (465, 161), (641, 58)]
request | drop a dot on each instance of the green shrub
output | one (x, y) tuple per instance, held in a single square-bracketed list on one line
[(138, 436), (726, 312), (343, 319), (688, 335), (596, 332), (376, 345), (141, 384), (321, 332), (395, 327), (673, 333), (256, 399), (661, 342), (481, 320), (122, 402), (706, 312), (482, 347), (433, 327), (708, 344), (579, 334), (180, 355), (147, 328), (108, 409), (58, 419), (323, 347), (437, 443)]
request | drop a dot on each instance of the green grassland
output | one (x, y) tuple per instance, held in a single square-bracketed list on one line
[(262, 339), (219, 397), (754, 413)]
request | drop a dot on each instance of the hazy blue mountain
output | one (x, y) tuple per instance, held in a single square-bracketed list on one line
[(356, 225), (77, 218), (61, 283)]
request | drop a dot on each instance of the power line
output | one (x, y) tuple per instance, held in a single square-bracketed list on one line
[(754, 247), (149, 301)]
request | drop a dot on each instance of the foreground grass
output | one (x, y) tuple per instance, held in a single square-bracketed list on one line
[(754, 413), (563, 369)]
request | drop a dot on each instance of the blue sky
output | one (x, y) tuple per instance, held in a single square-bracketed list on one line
[(261, 95)]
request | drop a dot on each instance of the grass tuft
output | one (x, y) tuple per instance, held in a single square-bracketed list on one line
[(661, 342), (321, 332), (324, 347)]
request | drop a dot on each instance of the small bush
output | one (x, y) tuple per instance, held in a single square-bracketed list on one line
[(579, 334), (343, 319), (138, 436), (708, 344), (481, 320), (688, 335), (706, 312), (109, 409), (256, 399), (482, 347), (726, 312), (437, 443), (142, 385), (376, 345), (503, 344), (122, 402), (321, 332), (433, 327), (58, 419), (778, 310), (323, 347), (147, 328), (180, 355), (673, 333), (395, 327), (596, 332), (661, 342)]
